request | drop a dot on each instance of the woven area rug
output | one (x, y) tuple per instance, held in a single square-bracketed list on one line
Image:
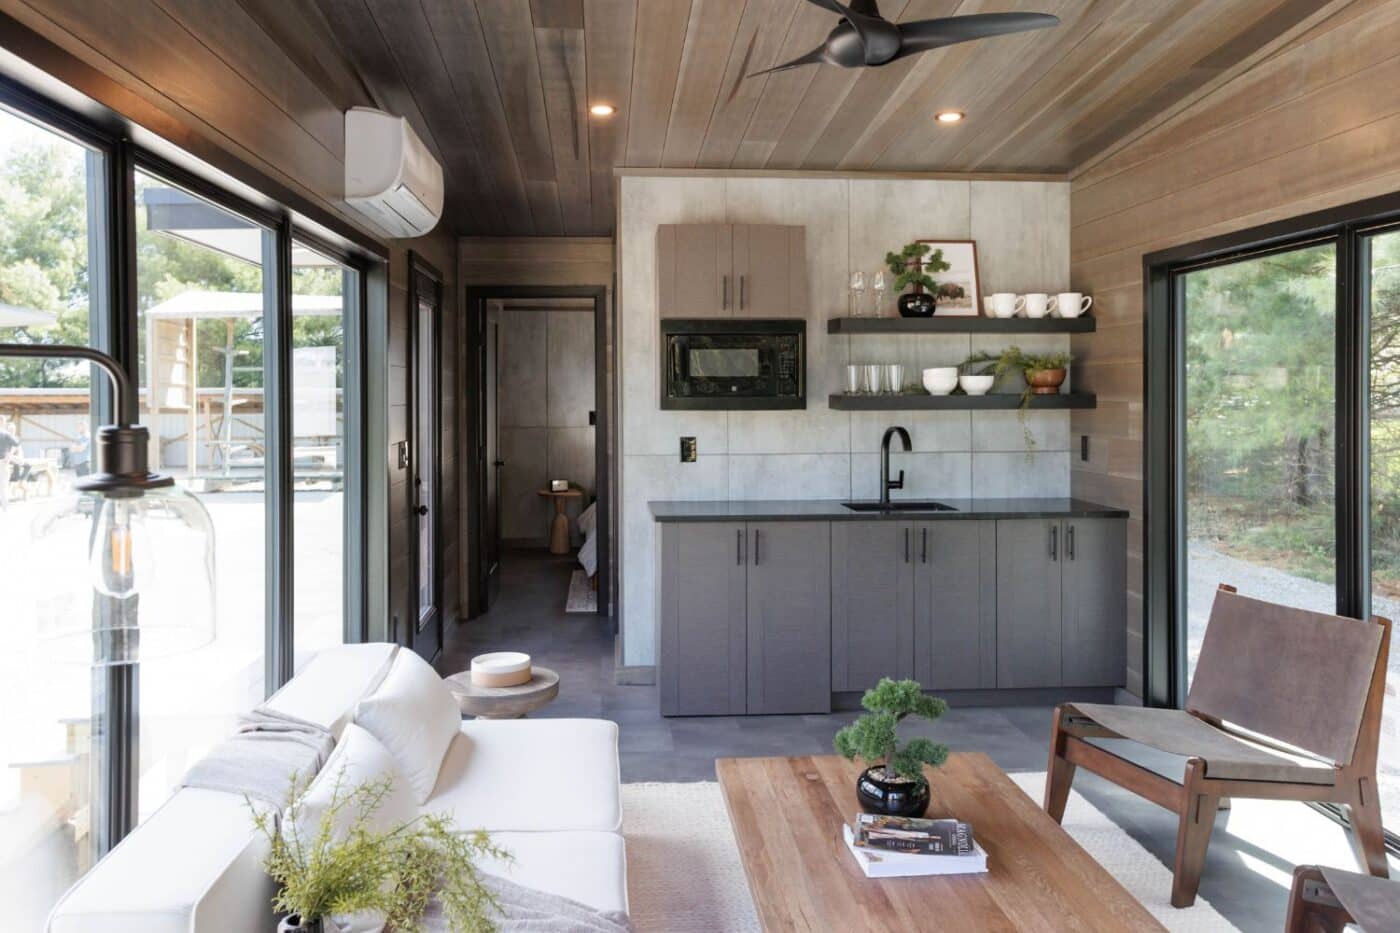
[(582, 596), (684, 873)]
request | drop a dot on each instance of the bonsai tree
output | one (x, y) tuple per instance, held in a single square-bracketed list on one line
[(873, 738), (912, 265)]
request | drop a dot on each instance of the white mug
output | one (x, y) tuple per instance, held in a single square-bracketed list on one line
[(1006, 304), (1071, 304), (1037, 304)]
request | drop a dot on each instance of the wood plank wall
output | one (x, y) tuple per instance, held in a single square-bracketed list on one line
[(207, 76), (1314, 124)]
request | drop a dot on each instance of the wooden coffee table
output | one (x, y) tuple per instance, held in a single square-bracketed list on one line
[(787, 815)]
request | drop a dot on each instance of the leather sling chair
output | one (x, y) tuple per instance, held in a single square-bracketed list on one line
[(1285, 705), (1326, 900)]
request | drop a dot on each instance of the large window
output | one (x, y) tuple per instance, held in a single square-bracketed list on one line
[(244, 340), (49, 187)]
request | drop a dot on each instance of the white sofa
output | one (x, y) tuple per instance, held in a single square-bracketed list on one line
[(546, 789)]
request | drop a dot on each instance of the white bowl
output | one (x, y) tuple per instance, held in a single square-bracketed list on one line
[(976, 385), (941, 380), (501, 669)]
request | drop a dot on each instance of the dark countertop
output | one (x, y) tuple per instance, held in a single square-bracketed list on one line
[(824, 510)]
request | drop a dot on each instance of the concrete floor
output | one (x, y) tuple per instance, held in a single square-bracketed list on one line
[(1251, 857)]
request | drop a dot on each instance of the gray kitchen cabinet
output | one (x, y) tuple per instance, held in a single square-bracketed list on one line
[(789, 617), (1028, 603), (955, 605), (770, 270), (704, 644), (872, 603), (730, 270), (1094, 601)]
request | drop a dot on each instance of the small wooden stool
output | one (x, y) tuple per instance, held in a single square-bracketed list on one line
[(559, 527)]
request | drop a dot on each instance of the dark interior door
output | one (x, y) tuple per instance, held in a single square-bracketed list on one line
[(425, 312), (491, 538)]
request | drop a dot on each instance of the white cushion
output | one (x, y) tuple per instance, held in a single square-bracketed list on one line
[(415, 716), (531, 775), (358, 759), (590, 868), (327, 689)]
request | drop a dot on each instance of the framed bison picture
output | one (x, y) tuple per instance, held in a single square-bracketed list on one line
[(959, 288)]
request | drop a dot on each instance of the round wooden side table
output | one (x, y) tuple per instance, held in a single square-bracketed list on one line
[(504, 702), (559, 528)]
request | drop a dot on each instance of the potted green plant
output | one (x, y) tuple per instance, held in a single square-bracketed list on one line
[(1044, 374), (893, 782), (911, 266), (348, 866)]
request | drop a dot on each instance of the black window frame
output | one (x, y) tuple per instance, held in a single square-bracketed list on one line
[(1346, 227), (114, 326)]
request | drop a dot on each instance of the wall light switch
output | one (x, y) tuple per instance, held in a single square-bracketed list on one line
[(688, 450), (401, 454)]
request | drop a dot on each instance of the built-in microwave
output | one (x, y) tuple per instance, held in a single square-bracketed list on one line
[(726, 364)]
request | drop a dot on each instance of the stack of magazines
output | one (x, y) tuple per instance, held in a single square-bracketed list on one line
[(898, 846)]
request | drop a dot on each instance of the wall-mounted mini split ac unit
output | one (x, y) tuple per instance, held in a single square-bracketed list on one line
[(390, 176)]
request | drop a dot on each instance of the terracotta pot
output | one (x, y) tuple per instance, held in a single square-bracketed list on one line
[(891, 798), (1045, 381)]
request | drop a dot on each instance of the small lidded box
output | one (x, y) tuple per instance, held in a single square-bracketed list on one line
[(501, 669)]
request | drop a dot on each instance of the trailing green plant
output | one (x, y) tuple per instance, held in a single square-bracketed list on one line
[(1014, 360), (394, 872), (912, 265), (874, 738)]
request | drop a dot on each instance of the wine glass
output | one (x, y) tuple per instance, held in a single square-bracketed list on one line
[(858, 291), (879, 284)]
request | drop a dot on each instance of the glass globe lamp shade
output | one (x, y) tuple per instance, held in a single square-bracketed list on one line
[(128, 576)]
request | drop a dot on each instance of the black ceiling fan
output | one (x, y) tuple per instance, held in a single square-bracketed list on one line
[(865, 38)]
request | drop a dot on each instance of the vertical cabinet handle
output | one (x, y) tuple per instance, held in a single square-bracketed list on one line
[(741, 291), (923, 546), (739, 547), (906, 545), (756, 539), (1054, 542), (1069, 541), (724, 293)]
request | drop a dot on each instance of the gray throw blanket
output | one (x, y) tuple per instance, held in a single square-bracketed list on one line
[(259, 759), (526, 910)]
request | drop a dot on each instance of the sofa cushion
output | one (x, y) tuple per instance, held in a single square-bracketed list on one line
[(415, 716), (587, 867), (531, 775), (329, 686)]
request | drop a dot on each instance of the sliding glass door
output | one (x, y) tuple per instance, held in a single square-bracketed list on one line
[(1260, 425)]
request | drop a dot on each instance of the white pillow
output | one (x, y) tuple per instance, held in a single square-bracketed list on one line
[(358, 758), (416, 717)]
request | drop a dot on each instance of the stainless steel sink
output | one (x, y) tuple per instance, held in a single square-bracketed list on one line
[(903, 505)]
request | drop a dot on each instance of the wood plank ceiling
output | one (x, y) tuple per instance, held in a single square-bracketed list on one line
[(500, 89)]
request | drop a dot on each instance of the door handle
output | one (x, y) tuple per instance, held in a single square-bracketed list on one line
[(739, 548), (1069, 541), (756, 539), (1054, 542), (741, 291), (724, 293), (923, 546), (498, 463), (906, 545), (422, 510)]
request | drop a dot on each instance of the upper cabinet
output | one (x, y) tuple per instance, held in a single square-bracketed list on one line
[(731, 270)]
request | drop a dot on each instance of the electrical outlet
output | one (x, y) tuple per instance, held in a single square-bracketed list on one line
[(688, 450), (1084, 448)]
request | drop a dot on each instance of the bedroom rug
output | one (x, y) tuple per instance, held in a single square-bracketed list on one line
[(684, 873), (582, 596)]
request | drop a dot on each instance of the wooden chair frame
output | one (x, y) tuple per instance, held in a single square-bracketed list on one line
[(1312, 907), (1196, 798)]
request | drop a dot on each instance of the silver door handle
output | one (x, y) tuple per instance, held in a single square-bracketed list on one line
[(724, 293)]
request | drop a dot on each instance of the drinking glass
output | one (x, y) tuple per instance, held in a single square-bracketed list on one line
[(853, 383), (894, 378), (878, 283), (874, 377), (858, 294)]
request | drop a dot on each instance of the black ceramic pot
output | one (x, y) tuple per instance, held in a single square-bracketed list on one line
[(891, 798), (292, 923), (916, 304)]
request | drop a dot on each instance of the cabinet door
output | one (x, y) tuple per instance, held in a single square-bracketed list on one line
[(1028, 603), (703, 647), (694, 270), (789, 603), (955, 605), (872, 603), (770, 267), (1095, 602)]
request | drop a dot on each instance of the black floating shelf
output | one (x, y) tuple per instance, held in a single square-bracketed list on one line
[(952, 324), (1002, 401)]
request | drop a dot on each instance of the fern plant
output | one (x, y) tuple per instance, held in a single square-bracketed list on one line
[(874, 738), (912, 265), (394, 873)]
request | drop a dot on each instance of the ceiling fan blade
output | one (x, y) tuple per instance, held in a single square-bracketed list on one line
[(813, 57), (925, 34)]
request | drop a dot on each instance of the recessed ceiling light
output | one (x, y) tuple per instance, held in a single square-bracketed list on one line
[(949, 116), (602, 110)]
